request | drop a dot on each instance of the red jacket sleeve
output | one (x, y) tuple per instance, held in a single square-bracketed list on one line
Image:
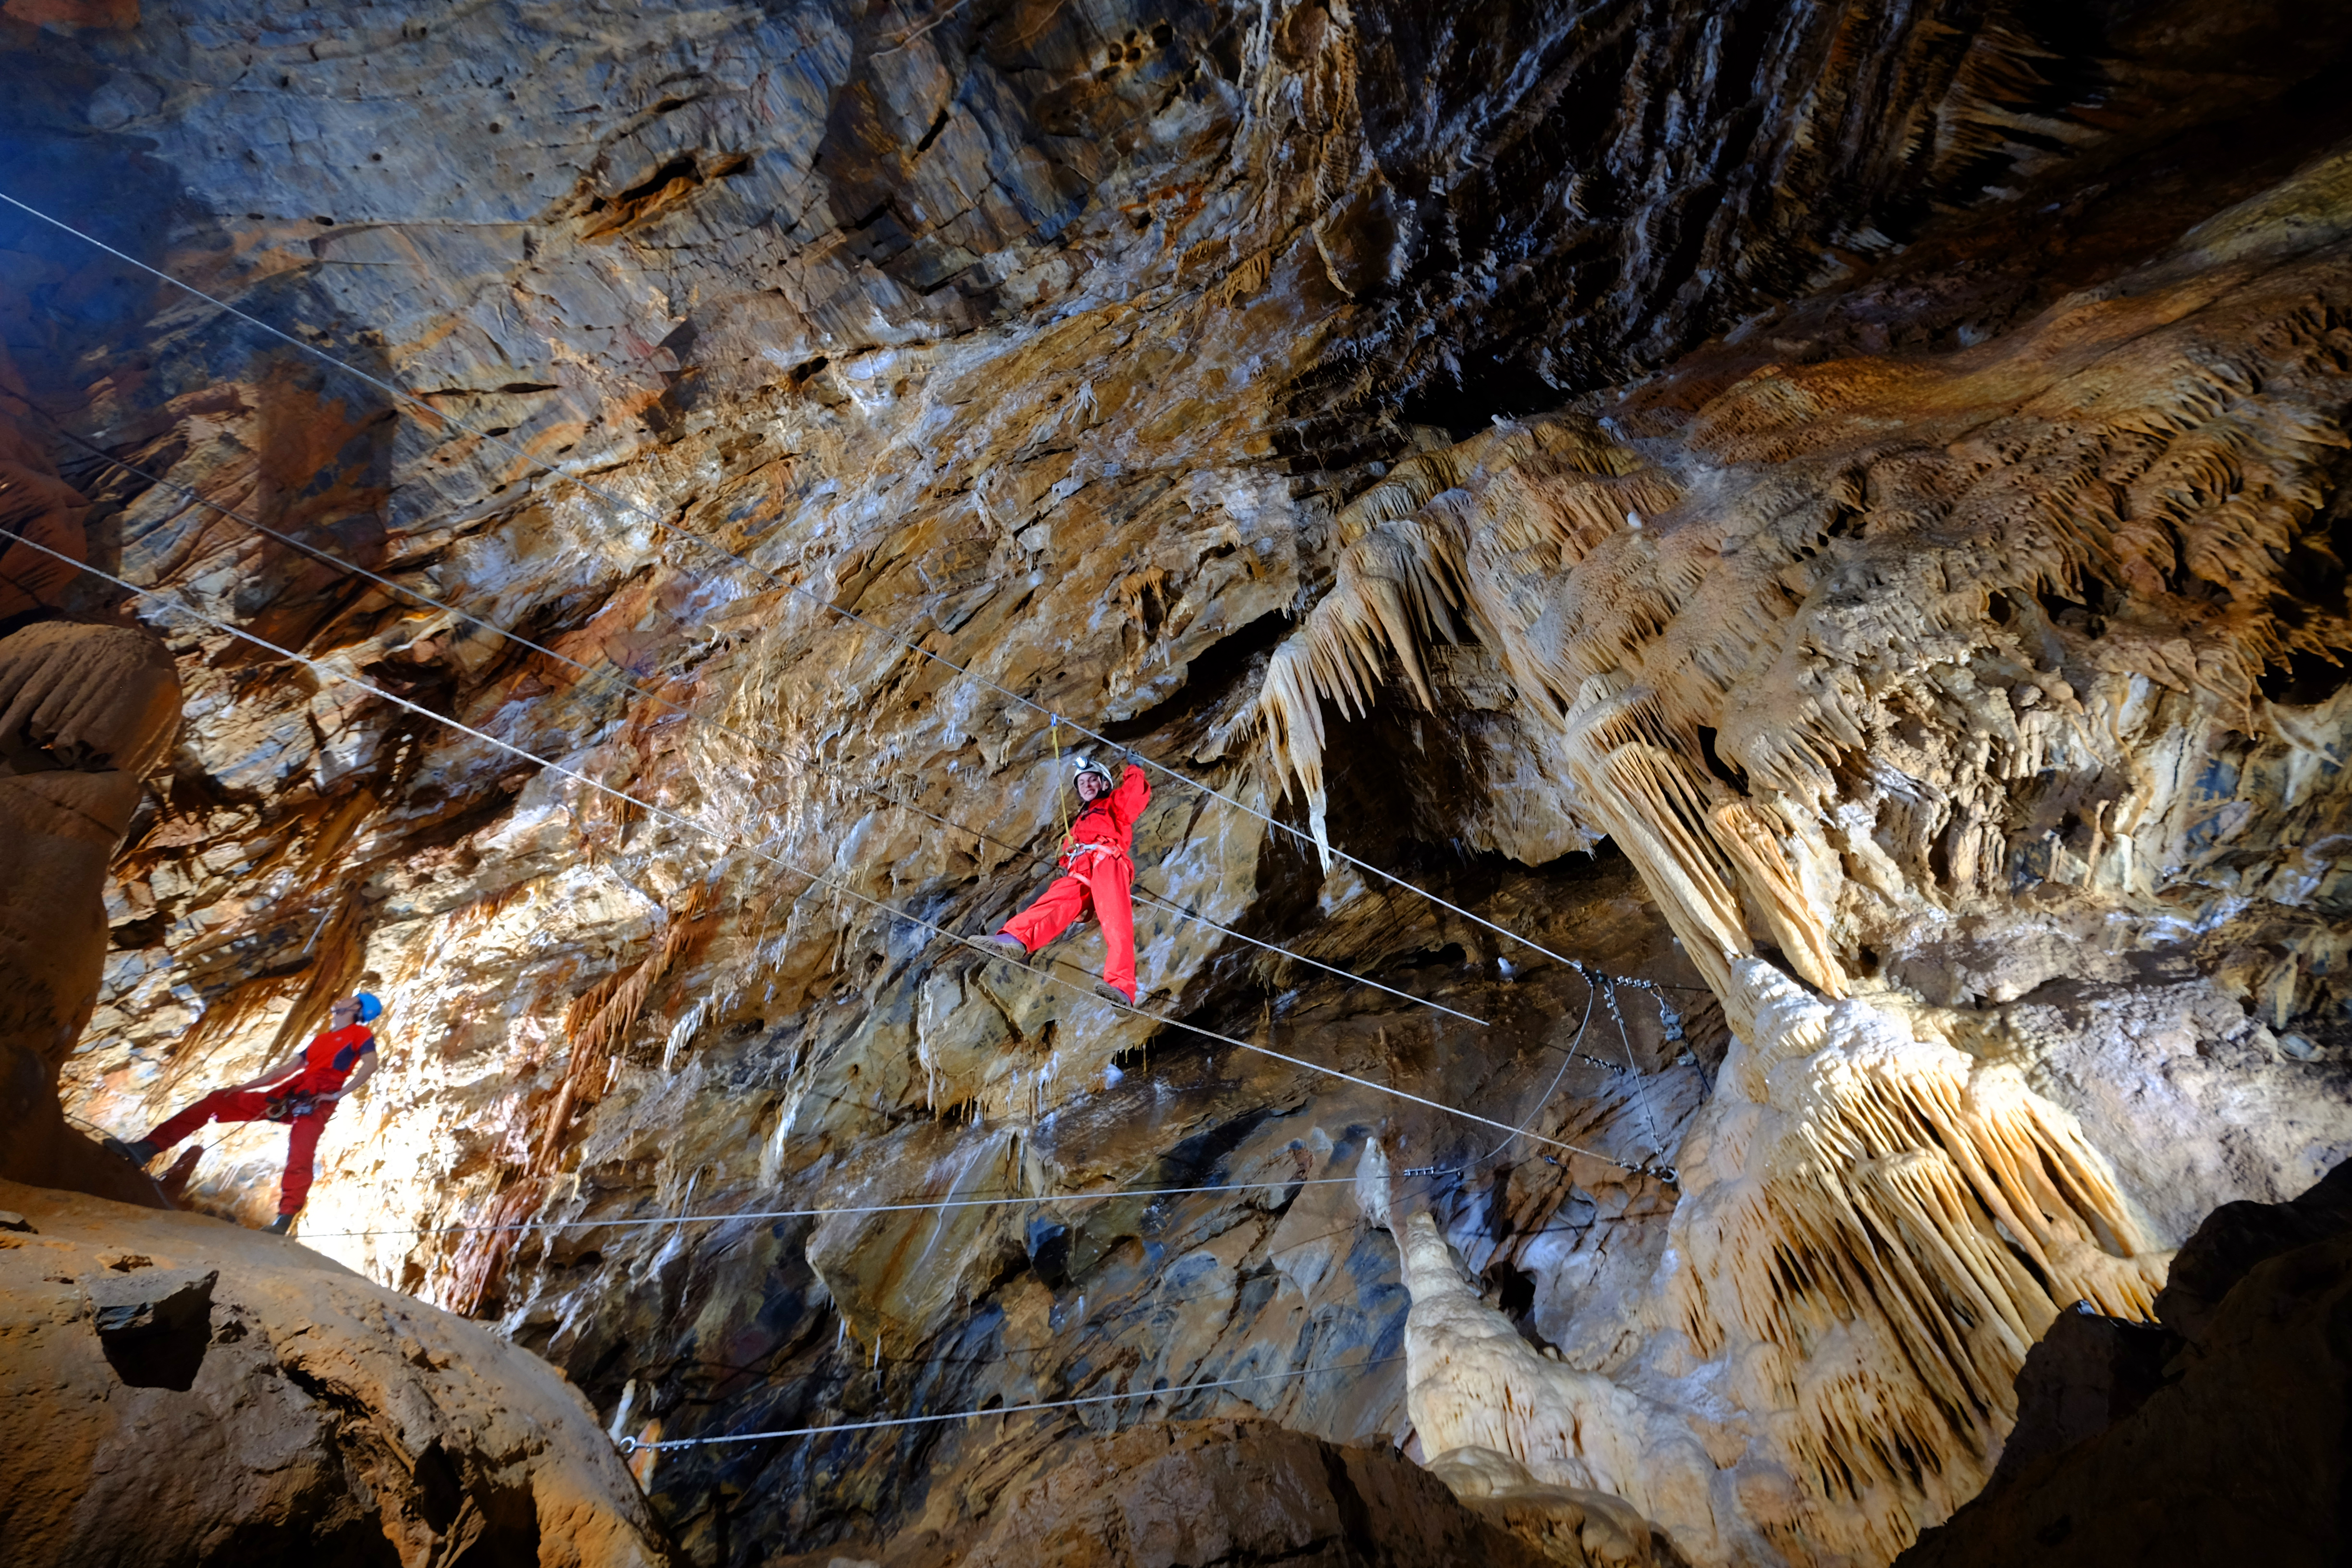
[(1128, 801)]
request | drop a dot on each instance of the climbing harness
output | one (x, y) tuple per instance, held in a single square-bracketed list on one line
[(287, 1107), (632, 1445), (1173, 907), (737, 841), (540, 466)]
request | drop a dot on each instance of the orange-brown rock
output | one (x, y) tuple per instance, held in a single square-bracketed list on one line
[(1873, 478), (86, 711)]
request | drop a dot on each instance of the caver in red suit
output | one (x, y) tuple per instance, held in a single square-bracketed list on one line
[(300, 1091), (1097, 876)]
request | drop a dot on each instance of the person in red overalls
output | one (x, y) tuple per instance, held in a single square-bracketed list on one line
[(300, 1091), (1096, 877)]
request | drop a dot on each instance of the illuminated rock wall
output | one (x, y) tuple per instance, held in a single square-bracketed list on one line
[(1855, 494)]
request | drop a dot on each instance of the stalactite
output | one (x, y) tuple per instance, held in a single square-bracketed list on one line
[(1912, 1214), (1685, 629), (1874, 1231)]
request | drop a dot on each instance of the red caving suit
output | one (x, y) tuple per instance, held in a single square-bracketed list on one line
[(327, 1063), (1097, 877)]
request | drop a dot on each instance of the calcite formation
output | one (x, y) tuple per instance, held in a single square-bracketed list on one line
[(1830, 515), (1496, 1417), (1847, 652), (86, 709), (1873, 1230)]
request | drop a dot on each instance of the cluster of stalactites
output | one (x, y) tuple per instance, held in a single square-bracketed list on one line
[(1440, 541), (1717, 693), (1478, 536), (1874, 1231)]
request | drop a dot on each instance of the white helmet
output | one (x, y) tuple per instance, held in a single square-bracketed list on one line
[(1089, 765)]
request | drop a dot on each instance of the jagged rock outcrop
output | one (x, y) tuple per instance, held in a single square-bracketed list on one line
[(86, 711), (1908, 558), (176, 1391), (1873, 1231)]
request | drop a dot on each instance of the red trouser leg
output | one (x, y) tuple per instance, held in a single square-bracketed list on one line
[(1064, 901), (220, 1105), (301, 1152), (1110, 878)]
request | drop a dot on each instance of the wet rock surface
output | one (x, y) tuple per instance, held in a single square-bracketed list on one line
[(1724, 494)]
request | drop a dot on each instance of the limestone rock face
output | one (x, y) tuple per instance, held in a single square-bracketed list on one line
[(87, 710), (1816, 533), (1223, 1493), (181, 1392), (178, 1391)]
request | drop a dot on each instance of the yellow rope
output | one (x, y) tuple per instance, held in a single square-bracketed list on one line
[(1061, 806)]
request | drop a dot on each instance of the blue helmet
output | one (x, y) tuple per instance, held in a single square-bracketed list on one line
[(370, 1009)]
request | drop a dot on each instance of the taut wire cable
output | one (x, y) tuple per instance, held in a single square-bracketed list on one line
[(1567, 1060), (737, 841), (1009, 1201), (540, 465), (610, 679), (632, 1445)]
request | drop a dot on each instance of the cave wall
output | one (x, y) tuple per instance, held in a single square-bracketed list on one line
[(1853, 490)]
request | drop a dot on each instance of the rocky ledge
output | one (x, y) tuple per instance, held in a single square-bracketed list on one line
[(178, 1391)]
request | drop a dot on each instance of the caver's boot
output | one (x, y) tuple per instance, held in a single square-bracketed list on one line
[(281, 1225), (1109, 992), (139, 1151)]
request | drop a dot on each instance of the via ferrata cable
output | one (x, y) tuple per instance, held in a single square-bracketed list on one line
[(632, 1445), (735, 839), (1014, 1201), (539, 465), (609, 678)]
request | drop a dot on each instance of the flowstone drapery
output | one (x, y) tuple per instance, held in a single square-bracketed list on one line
[(1873, 1230)]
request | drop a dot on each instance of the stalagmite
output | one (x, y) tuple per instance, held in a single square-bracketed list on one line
[(1483, 1403), (1873, 1232), (1835, 516)]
